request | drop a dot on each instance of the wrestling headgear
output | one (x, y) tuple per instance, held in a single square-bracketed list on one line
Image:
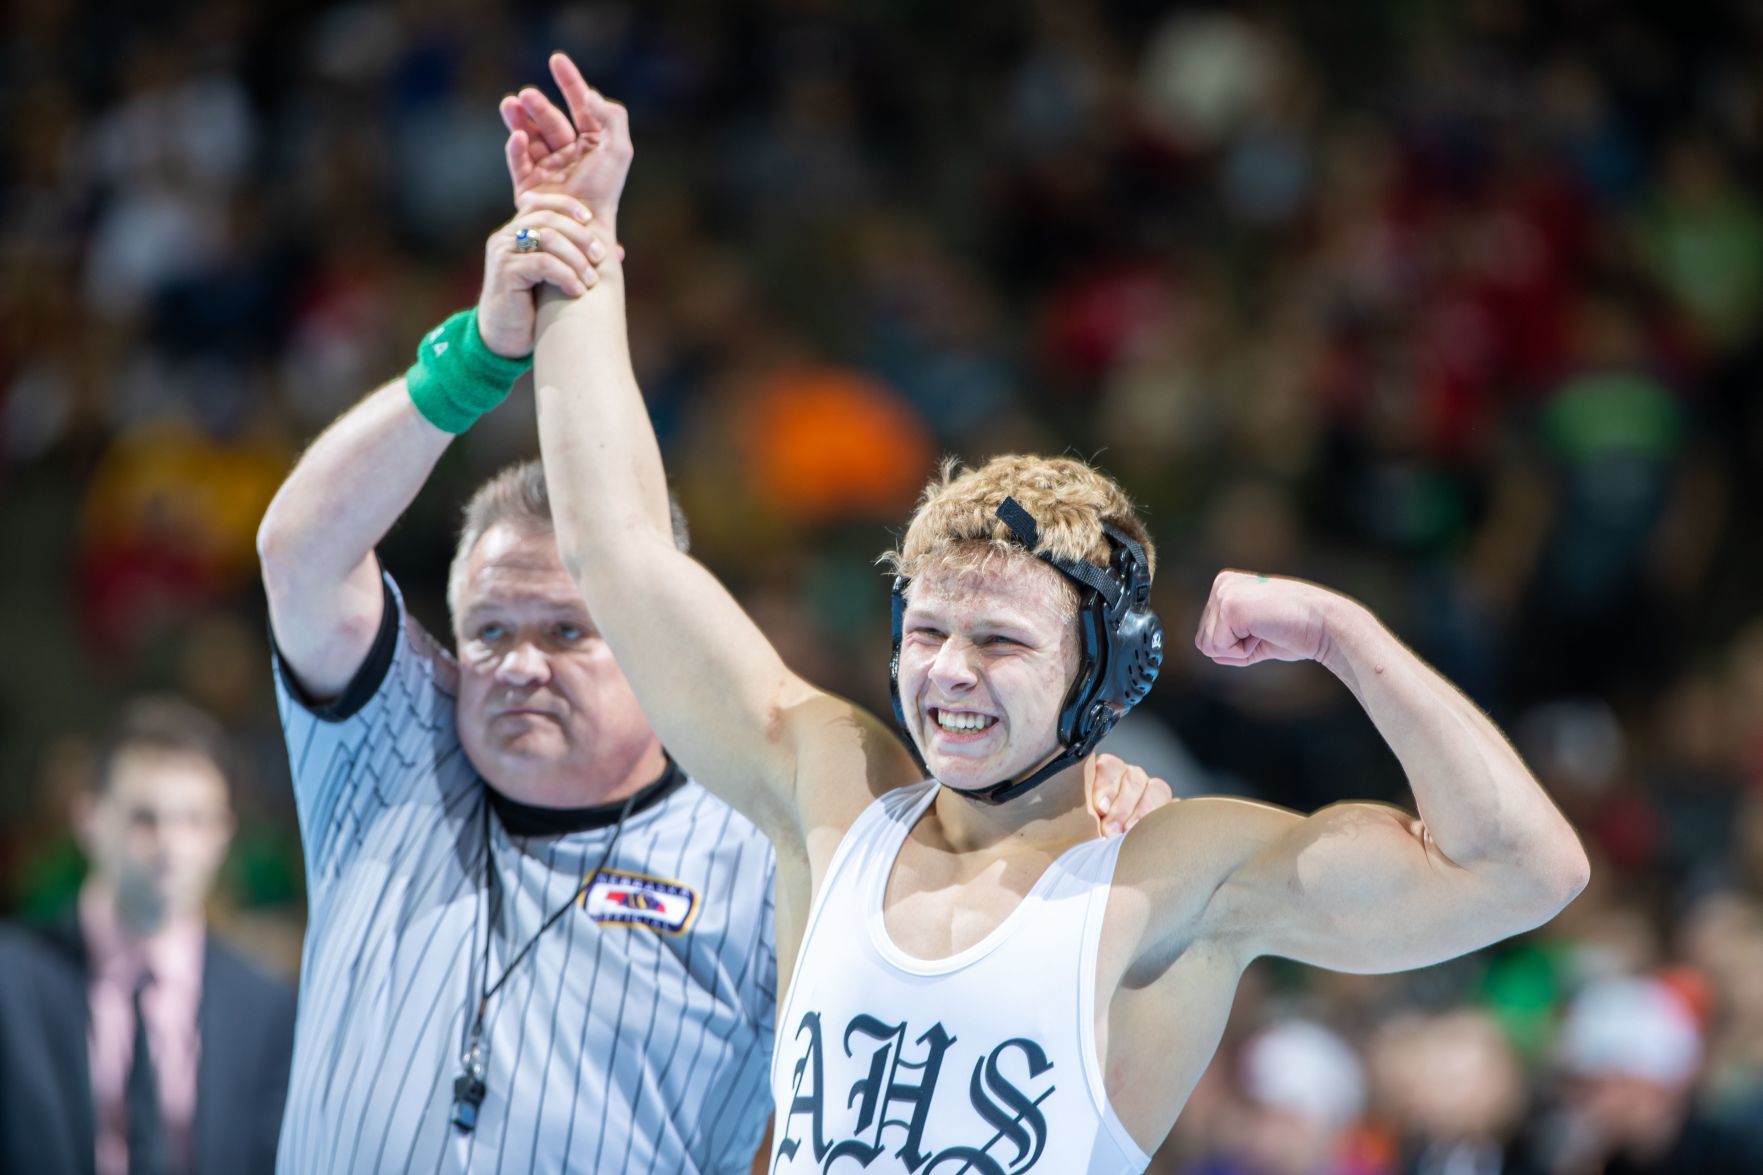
[(1120, 646)]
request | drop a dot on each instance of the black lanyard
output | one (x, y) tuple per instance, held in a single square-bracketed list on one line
[(468, 1087)]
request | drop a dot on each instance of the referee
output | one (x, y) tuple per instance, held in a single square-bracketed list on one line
[(533, 944)]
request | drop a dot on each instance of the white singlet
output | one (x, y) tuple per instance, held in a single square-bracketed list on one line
[(983, 1062)]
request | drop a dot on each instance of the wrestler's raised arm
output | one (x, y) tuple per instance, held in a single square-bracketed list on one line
[(715, 690)]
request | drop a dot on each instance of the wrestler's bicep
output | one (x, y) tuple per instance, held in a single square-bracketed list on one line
[(1355, 887)]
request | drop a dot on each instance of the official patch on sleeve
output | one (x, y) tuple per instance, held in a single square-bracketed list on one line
[(618, 898)]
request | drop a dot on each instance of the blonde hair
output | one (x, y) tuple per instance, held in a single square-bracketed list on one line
[(956, 525)]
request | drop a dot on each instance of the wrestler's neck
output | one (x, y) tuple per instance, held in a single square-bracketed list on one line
[(1052, 816)]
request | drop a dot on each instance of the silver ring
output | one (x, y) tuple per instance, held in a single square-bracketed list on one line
[(526, 240)]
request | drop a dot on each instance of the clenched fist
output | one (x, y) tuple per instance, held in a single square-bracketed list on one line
[(1251, 618)]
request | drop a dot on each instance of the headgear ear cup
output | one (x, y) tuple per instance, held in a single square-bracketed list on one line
[(1142, 646), (1139, 634)]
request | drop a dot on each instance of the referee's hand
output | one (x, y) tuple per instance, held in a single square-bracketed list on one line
[(1121, 794), (552, 240)]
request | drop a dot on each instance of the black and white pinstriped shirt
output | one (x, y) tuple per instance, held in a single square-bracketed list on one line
[(634, 1038)]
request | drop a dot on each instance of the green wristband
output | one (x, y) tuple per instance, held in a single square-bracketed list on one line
[(456, 378)]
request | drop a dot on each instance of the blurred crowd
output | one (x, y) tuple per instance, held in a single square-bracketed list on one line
[(1453, 307)]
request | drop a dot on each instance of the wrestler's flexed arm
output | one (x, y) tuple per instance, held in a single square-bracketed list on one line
[(1357, 886), (1204, 887)]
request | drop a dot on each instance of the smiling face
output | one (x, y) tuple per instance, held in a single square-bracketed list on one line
[(545, 713), (986, 659)]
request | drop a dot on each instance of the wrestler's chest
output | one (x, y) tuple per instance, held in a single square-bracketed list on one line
[(936, 906)]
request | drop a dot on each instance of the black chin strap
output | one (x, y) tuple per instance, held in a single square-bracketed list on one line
[(1006, 790)]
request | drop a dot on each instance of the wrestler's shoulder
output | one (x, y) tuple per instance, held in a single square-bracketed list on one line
[(1202, 837)]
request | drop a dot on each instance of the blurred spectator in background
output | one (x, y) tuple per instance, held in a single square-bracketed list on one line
[(131, 1040), (1453, 1092), (1722, 939), (1630, 1051), (1301, 1094)]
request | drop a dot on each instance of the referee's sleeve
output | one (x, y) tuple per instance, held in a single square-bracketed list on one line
[(378, 745)]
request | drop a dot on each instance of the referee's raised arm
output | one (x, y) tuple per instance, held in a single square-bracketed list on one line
[(317, 538), (316, 542)]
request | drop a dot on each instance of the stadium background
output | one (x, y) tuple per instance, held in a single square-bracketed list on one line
[(1452, 306)]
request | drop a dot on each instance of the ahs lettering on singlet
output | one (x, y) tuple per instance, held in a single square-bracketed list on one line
[(888, 1108)]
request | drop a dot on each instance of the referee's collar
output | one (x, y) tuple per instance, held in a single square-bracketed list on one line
[(531, 820)]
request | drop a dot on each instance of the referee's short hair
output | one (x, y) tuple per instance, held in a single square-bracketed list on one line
[(161, 724), (518, 494)]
